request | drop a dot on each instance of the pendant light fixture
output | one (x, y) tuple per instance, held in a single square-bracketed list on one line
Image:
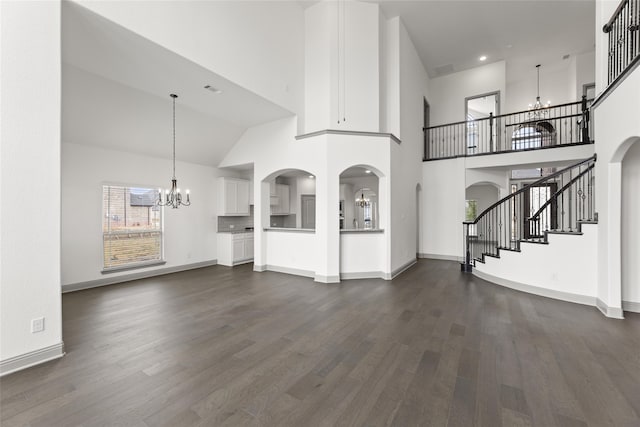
[(173, 197), (538, 110)]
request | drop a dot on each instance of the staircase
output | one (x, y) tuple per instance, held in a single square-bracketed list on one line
[(560, 203)]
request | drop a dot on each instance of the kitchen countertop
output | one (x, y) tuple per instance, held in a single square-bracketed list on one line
[(291, 229), (362, 230), (235, 231)]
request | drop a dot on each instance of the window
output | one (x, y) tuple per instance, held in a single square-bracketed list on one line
[(471, 210), (131, 227)]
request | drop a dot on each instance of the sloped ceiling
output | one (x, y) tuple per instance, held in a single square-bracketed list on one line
[(116, 88)]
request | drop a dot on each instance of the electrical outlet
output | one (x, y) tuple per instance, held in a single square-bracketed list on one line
[(37, 325)]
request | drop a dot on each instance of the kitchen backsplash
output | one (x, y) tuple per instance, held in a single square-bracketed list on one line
[(283, 221), (233, 223)]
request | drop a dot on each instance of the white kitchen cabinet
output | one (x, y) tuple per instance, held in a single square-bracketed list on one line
[(251, 193), (233, 197), (235, 248), (283, 203)]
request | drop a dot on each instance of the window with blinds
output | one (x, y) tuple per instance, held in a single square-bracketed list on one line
[(131, 227)]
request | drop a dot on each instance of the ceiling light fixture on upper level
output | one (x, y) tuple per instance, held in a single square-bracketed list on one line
[(483, 58), (173, 197), (212, 89), (367, 171), (538, 110)]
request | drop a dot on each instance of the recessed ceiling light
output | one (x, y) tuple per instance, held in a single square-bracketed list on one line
[(367, 171), (483, 58), (212, 89), (311, 177)]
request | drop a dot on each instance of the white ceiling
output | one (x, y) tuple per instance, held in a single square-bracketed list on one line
[(116, 88), (451, 35), (116, 83)]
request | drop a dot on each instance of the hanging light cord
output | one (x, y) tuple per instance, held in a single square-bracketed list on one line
[(174, 96)]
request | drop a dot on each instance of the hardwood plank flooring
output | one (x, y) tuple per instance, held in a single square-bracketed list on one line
[(434, 347)]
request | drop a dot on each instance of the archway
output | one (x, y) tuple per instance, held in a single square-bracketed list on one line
[(630, 228)]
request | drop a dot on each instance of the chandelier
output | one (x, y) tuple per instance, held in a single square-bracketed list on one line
[(362, 201), (173, 197), (538, 110)]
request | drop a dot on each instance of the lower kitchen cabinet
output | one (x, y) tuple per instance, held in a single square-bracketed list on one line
[(235, 248)]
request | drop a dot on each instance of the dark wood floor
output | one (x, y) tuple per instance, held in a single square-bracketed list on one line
[(221, 346)]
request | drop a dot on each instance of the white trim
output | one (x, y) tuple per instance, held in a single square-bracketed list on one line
[(287, 270), (441, 257), (613, 312), (363, 275), (631, 306), (327, 279), (348, 132), (135, 276), (32, 358), (395, 273), (536, 290), (259, 268)]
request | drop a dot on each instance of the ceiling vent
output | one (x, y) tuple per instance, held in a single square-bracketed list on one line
[(212, 89)]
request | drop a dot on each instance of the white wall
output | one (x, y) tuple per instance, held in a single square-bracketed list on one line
[(407, 156), (617, 128), (560, 82), (570, 267), (447, 93), (189, 232), (362, 254), (30, 177), (293, 252), (272, 148), (484, 194), (258, 45), (631, 225), (443, 189), (342, 60)]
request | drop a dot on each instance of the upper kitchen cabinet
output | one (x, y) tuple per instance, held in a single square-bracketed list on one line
[(282, 205), (233, 197)]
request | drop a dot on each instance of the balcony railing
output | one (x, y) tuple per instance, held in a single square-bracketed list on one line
[(624, 38), (554, 126)]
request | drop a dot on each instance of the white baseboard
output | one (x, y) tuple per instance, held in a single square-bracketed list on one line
[(632, 306), (536, 290), (612, 312), (36, 357), (135, 276), (404, 267), (363, 275), (326, 279), (287, 270), (441, 257)]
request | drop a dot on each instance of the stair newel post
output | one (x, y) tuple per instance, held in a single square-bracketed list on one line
[(466, 266), (585, 120), (491, 132)]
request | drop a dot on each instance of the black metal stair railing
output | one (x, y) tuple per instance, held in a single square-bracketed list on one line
[(559, 202), (624, 38), (525, 130)]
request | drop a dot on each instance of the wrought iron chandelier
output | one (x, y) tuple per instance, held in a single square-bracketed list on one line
[(538, 109), (173, 197)]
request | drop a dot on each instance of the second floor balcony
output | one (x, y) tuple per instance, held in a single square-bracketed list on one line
[(547, 127)]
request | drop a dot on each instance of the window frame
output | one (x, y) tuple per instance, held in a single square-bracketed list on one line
[(136, 264)]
